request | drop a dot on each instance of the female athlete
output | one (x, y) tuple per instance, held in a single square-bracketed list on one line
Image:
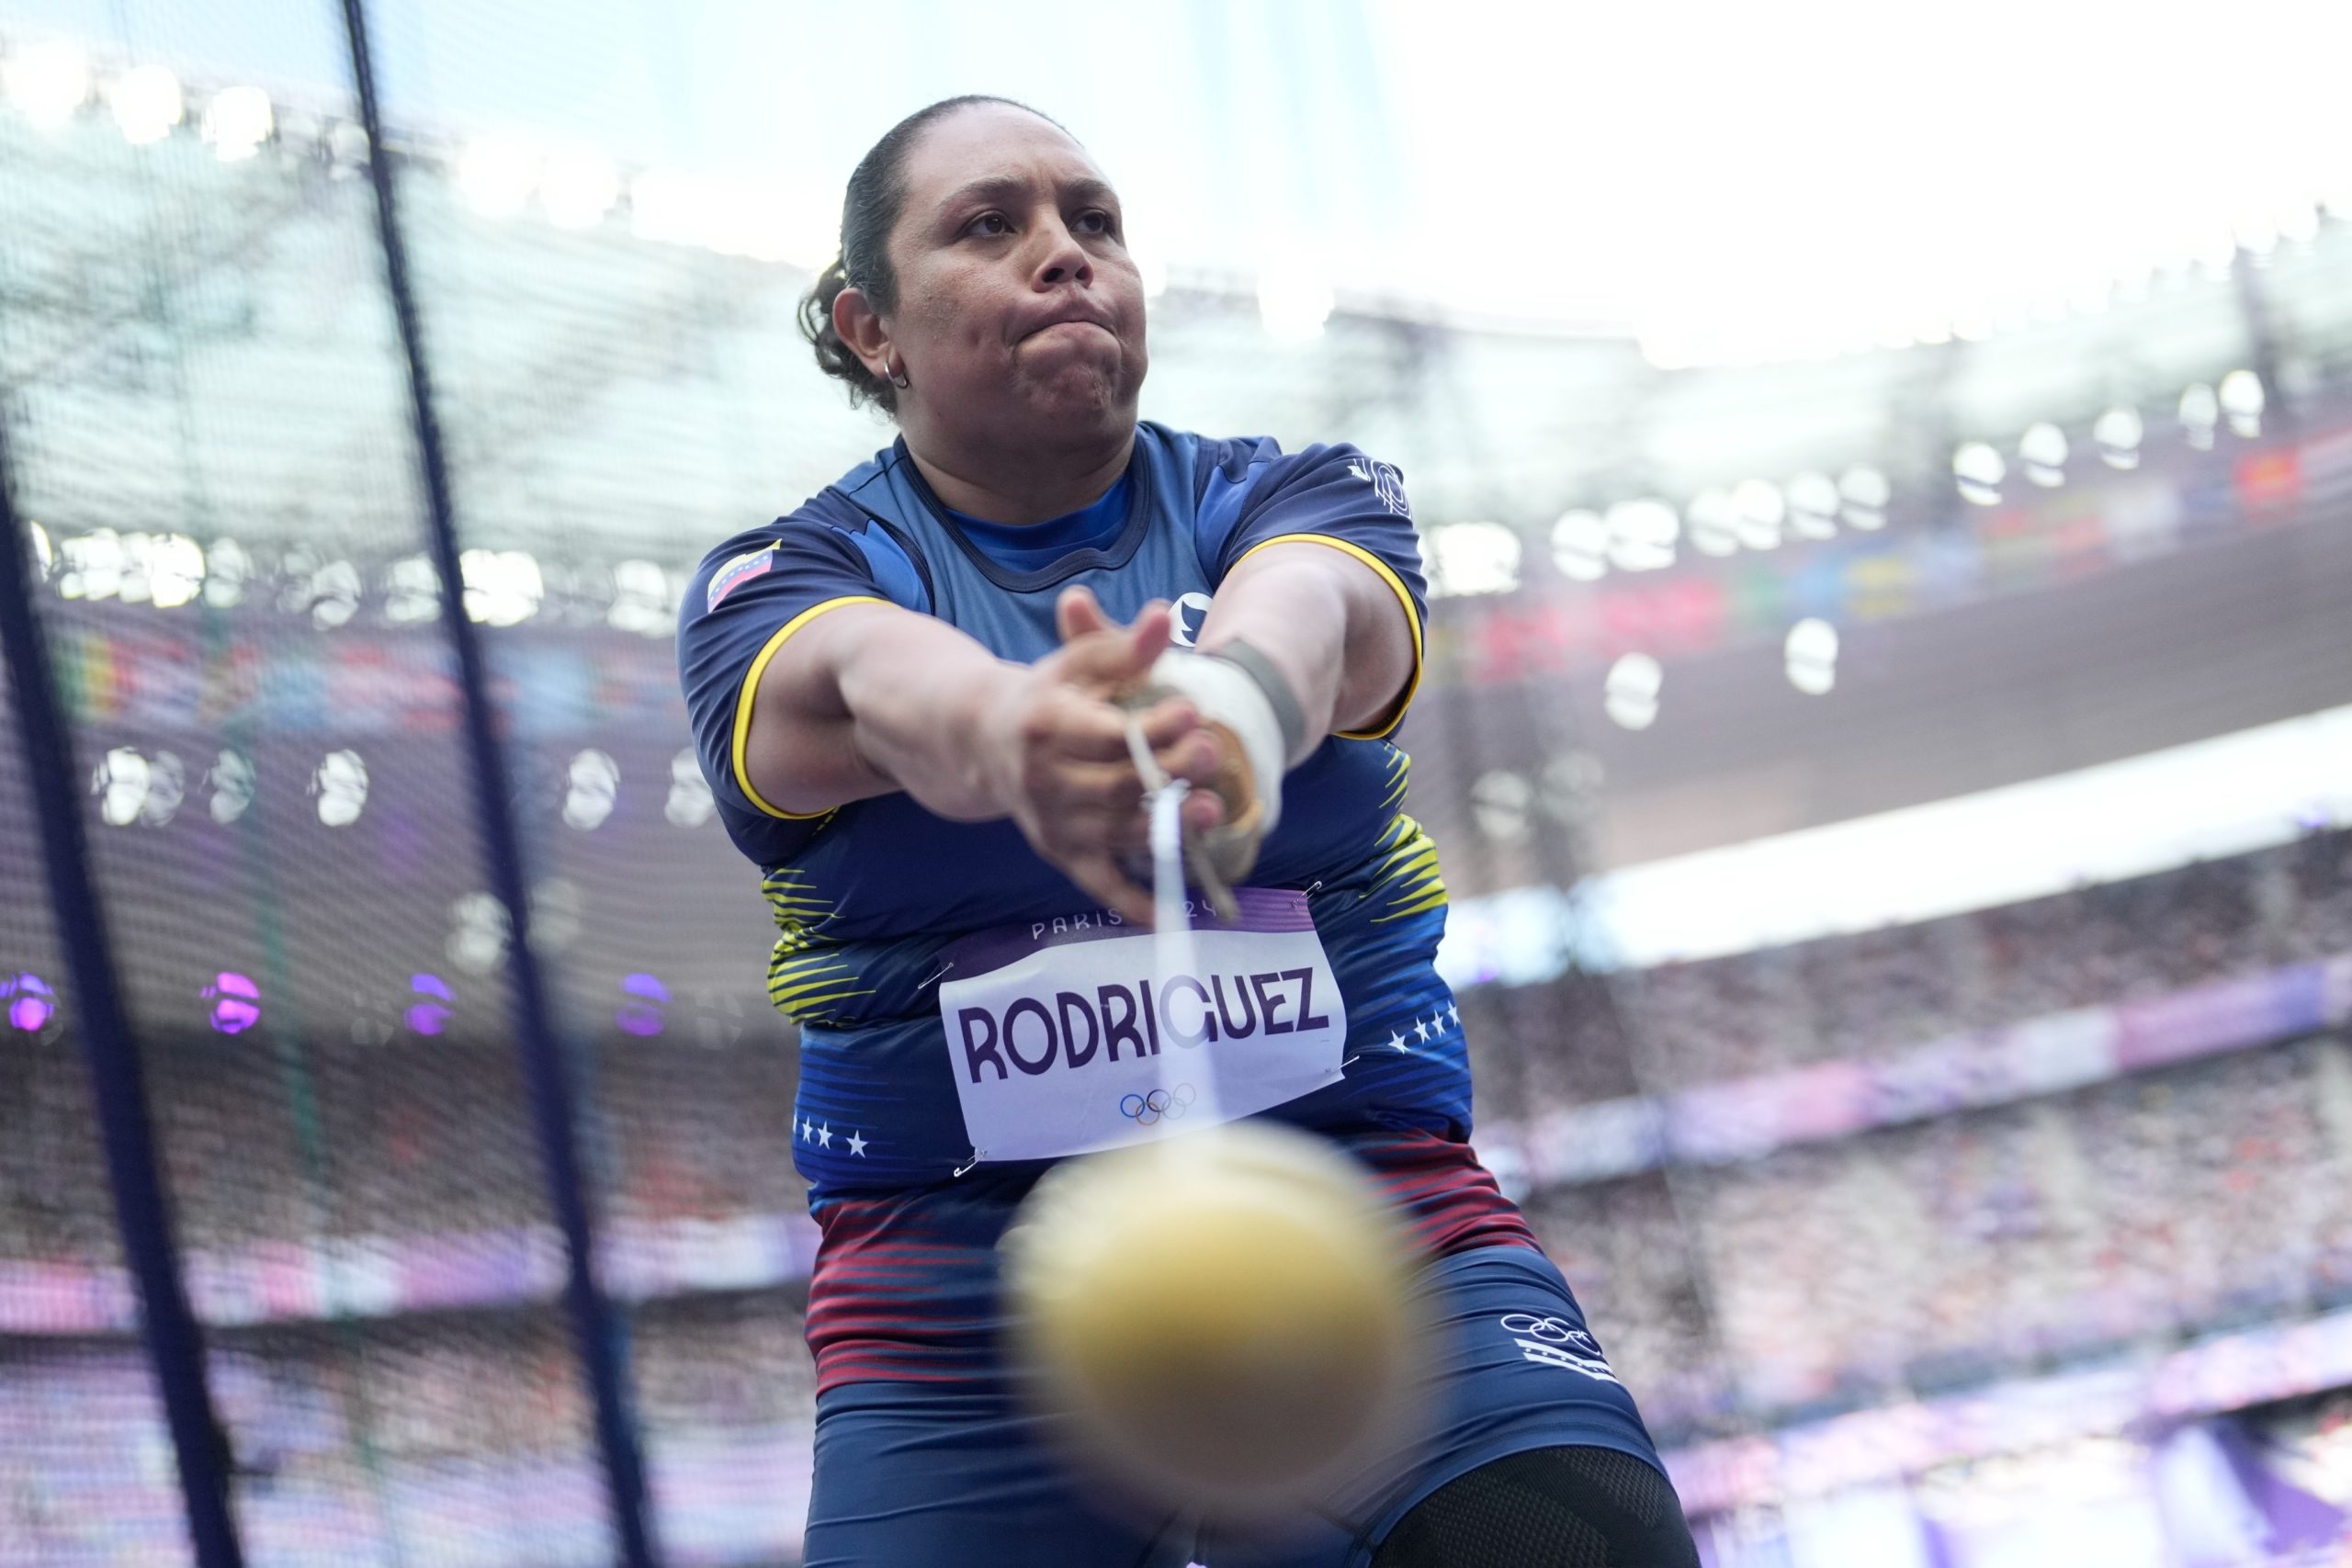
[(906, 694)]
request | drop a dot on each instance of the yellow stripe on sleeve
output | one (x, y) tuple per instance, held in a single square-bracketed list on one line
[(750, 688), (1395, 585)]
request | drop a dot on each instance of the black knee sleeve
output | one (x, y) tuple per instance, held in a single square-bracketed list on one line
[(1575, 1507)]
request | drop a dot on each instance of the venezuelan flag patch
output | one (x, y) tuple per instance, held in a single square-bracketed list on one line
[(738, 571)]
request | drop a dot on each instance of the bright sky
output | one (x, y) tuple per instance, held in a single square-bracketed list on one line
[(1719, 177)]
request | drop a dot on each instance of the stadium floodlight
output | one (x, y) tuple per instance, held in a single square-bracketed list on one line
[(503, 587), (557, 905), (1809, 655), (1629, 695), (577, 188), (48, 82), (120, 784), (1295, 300), (166, 787), (175, 571), (2201, 411), (643, 999), (227, 569), (434, 1005), (237, 122), (1757, 510), (497, 174), (164, 570), (1580, 546), (1468, 558), (1500, 802), (334, 591), (592, 786), (411, 591), (93, 565), (233, 781), (131, 584), (690, 803), (1813, 506), (31, 1002), (2117, 435), (1568, 787), (1979, 470), (645, 599), (1642, 535), (479, 930), (2041, 452), (340, 783), (1710, 524), (2241, 401), (147, 104), (235, 1002), (347, 148)]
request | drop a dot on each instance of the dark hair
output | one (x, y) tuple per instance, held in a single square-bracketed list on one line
[(870, 209)]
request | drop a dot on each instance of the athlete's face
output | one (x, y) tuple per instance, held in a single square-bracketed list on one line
[(1019, 314)]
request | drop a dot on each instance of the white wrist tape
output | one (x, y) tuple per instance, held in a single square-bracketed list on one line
[(1225, 693)]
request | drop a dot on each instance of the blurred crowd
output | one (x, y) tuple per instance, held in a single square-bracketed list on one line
[(464, 1437), (1679, 1025), (350, 1141), (52, 1177), (504, 1382), (2119, 941), (1931, 1256), (1909, 1260), (1905, 1259)]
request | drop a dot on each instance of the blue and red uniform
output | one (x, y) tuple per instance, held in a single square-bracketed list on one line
[(872, 899)]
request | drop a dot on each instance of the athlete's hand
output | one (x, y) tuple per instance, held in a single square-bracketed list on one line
[(1054, 746)]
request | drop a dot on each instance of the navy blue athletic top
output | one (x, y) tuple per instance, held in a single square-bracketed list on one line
[(867, 896)]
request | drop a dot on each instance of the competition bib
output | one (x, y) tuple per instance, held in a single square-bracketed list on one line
[(1063, 1038)]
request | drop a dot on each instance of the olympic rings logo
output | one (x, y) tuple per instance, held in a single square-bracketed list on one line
[(1551, 1330), (1146, 1109)]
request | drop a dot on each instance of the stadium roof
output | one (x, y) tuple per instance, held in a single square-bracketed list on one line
[(1716, 180), (592, 319)]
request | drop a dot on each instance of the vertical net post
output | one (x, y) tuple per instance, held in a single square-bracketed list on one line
[(173, 1342), (595, 1325)]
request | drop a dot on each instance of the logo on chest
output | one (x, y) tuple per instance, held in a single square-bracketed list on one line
[(1189, 611)]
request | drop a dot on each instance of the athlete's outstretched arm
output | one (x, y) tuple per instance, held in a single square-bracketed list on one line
[(1337, 630), (871, 698)]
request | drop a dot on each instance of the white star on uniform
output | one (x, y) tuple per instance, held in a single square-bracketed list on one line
[(1396, 1042), (1452, 1014), (1420, 1031), (804, 1131), (857, 1145), (825, 1136)]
